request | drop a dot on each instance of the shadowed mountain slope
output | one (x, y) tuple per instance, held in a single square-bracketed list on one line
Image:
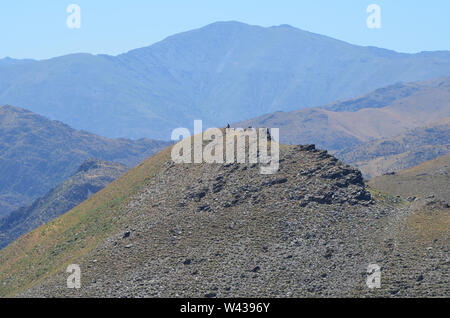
[(36, 154), (92, 176), (223, 72), (206, 230)]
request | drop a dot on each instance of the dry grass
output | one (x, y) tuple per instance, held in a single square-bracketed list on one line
[(425, 226), (428, 178), (53, 246)]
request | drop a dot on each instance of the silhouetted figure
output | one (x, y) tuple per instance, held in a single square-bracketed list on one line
[(228, 126)]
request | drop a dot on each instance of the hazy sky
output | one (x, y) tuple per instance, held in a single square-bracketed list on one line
[(37, 29)]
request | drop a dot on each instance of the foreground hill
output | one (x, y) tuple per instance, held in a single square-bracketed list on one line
[(406, 150), (205, 230), (223, 72), (383, 113), (423, 235), (92, 176), (36, 154)]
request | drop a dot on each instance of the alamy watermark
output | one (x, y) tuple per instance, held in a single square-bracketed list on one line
[(74, 279), (74, 19), (227, 145), (373, 276), (374, 19)]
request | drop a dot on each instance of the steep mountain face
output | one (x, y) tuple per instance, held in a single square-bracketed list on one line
[(406, 150), (36, 154), (223, 72), (206, 230), (92, 176), (384, 113)]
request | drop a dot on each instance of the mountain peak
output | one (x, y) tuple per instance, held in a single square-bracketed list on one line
[(226, 71), (15, 109)]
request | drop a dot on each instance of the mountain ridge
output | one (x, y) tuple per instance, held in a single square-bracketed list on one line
[(92, 176), (36, 154), (399, 152), (382, 113), (223, 72)]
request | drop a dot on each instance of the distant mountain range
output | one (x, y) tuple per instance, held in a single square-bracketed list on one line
[(383, 113), (36, 154), (92, 176), (223, 72), (403, 151)]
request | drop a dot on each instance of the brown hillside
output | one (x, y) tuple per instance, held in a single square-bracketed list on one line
[(403, 151), (380, 114)]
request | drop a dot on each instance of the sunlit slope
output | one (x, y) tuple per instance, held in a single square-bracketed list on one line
[(400, 152), (383, 113), (420, 239), (429, 180), (53, 246)]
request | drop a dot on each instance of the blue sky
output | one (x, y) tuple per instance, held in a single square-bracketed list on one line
[(37, 29)]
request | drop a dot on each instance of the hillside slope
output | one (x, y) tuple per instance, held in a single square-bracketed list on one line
[(428, 181), (223, 72), (164, 229), (382, 113), (92, 176), (406, 150), (423, 234), (36, 154)]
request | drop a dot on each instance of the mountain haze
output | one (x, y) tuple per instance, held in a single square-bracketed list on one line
[(36, 154), (92, 176), (223, 72), (403, 151), (383, 113)]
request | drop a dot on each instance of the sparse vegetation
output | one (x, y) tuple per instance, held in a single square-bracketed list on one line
[(92, 176), (32, 257), (197, 229)]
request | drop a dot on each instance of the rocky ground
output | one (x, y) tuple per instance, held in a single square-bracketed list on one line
[(211, 230)]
